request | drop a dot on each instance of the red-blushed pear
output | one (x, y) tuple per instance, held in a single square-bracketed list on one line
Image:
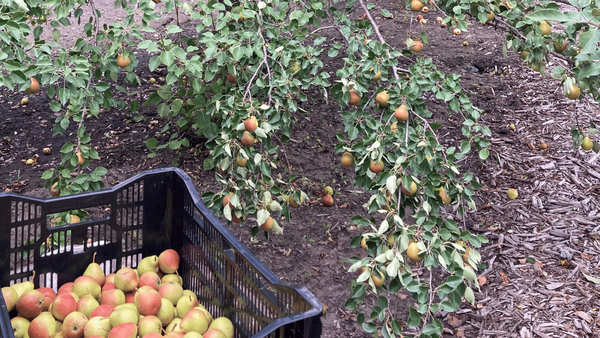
[(87, 304), (130, 297), (65, 288), (126, 279), (194, 321), (94, 270), (185, 304), (147, 301), (251, 124), (171, 291), (86, 285), (10, 297), (247, 139), (173, 326), (152, 335), (125, 330), (171, 277), (149, 324), (151, 279), (223, 324), (148, 264), (194, 335), (19, 326), (123, 315), (63, 305), (175, 335), (99, 326), (168, 261), (110, 278), (214, 333), (166, 312), (108, 286), (112, 297), (209, 317), (74, 324), (42, 326), (30, 304), (102, 311), (49, 297)]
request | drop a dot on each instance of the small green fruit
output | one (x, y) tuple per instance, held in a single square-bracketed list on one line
[(512, 193)]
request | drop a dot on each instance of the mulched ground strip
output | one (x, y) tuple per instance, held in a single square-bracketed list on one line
[(542, 245)]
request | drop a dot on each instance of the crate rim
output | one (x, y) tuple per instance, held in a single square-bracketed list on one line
[(317, 306)]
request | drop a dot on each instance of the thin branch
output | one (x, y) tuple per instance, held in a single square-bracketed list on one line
[(96, 21), (332, 27)]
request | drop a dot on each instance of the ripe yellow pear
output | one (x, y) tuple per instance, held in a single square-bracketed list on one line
[(382, 98), (354, 98), (416, 5), (413, 252), (347, 160), (587, 144), (545, 28), (512, 193), (574, 92), (378, 280)]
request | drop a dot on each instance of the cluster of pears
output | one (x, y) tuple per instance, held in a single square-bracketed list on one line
[(378, 277), (250, 125), (328, 198), (147, 302)]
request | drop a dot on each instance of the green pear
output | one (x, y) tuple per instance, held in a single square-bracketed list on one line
[(95, 271), (20, 288), (149, 324), (10, 297), (223, 324), (97, 326), (193, 335), (209, 317), (87, 304), (173, 326), (184, 304), (194, 321), (126, 305), (19, 326), (124, 315), (166, 313), (86, 285), (148, 264)]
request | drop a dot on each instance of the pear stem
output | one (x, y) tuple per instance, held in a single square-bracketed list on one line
[(94, 257)]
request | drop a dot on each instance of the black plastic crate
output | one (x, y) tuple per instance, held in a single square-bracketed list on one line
[(151, 212)]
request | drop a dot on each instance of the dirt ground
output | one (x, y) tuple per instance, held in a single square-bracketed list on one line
[(541, 244)]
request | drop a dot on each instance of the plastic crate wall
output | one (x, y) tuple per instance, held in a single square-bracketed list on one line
[(153, 211)]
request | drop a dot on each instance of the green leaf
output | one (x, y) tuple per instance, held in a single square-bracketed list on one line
[(386, 13), (435, 125), (151, 143), (102, 86), (167, 57), (47, 174), (56, 35), (548, 14), (484, 153)]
